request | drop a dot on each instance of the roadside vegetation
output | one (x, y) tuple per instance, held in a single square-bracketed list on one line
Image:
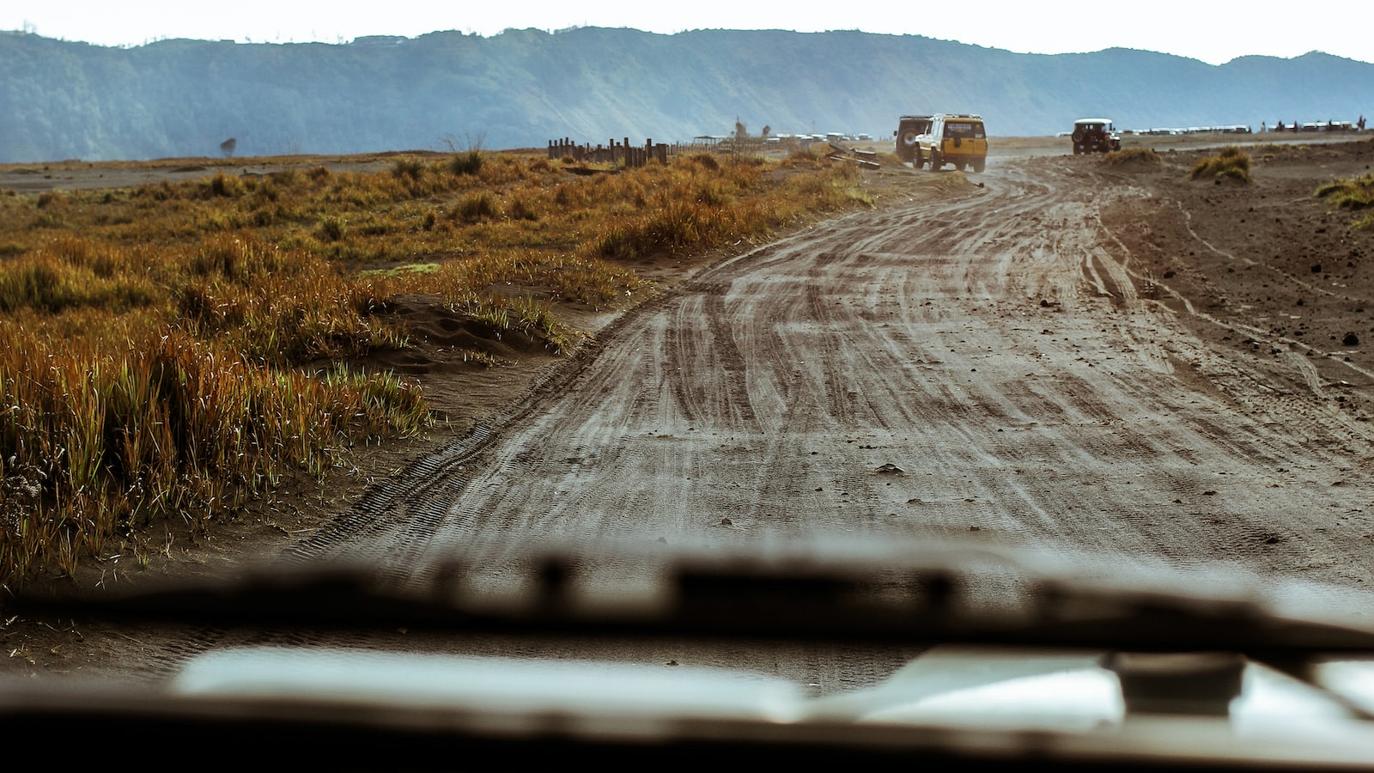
[(1232, 164), (174, 349), (1355, 193)]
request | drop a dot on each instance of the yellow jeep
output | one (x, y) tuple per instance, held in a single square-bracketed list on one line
[(954, 139)]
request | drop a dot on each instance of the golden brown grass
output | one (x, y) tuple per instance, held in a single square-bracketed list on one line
[(173, 349), (1354, 193), (1231, 164)]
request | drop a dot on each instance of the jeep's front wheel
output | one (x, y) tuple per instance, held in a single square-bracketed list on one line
[(979, 165), (936, 161)]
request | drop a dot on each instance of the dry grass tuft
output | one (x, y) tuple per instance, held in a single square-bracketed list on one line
[(1231, 164), (101, 440), (466, 163), (1350, 193), (1355, 193)]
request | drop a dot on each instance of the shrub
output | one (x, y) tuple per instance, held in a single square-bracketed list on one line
[(475, 207), (332, 228), (466, 163), (520, 210), (408, 168), (226, 186)]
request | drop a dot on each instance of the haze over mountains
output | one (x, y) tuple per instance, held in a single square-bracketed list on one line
[(63, 100)]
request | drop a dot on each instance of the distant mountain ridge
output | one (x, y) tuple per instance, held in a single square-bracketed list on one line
[(183, 97)]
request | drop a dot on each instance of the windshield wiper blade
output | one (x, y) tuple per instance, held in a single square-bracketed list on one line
[(870, 594)]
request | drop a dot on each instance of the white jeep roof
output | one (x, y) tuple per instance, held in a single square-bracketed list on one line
[(1092, 120)]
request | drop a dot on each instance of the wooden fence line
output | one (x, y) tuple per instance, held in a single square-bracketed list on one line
[(612, 153), (622, 152)]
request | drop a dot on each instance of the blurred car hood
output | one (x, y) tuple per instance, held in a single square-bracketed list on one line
[(946, 686)]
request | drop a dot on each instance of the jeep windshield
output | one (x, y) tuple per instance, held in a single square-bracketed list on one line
[(1133, 667), (964, 129), (430, 385)]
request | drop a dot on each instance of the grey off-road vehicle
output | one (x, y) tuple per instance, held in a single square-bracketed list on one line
[(908, 134), (1095, 135)]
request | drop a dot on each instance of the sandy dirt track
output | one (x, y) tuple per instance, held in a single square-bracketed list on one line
[(992, 343)]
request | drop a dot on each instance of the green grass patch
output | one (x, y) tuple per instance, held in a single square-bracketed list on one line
[(1350, 193), (409, 269)]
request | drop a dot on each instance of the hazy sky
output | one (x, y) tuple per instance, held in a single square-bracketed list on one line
[(1212, 30)]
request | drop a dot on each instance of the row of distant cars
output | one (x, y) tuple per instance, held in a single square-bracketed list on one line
[(827, 137), (1236, 129), (1311, 126)]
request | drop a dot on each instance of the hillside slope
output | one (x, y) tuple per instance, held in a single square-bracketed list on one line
[(182, 97)]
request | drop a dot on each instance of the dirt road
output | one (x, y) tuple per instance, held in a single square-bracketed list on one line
[(990, 345), (993, 344)]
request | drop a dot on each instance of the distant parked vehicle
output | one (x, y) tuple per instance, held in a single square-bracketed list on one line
[(908, 134), (1094, 135)]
